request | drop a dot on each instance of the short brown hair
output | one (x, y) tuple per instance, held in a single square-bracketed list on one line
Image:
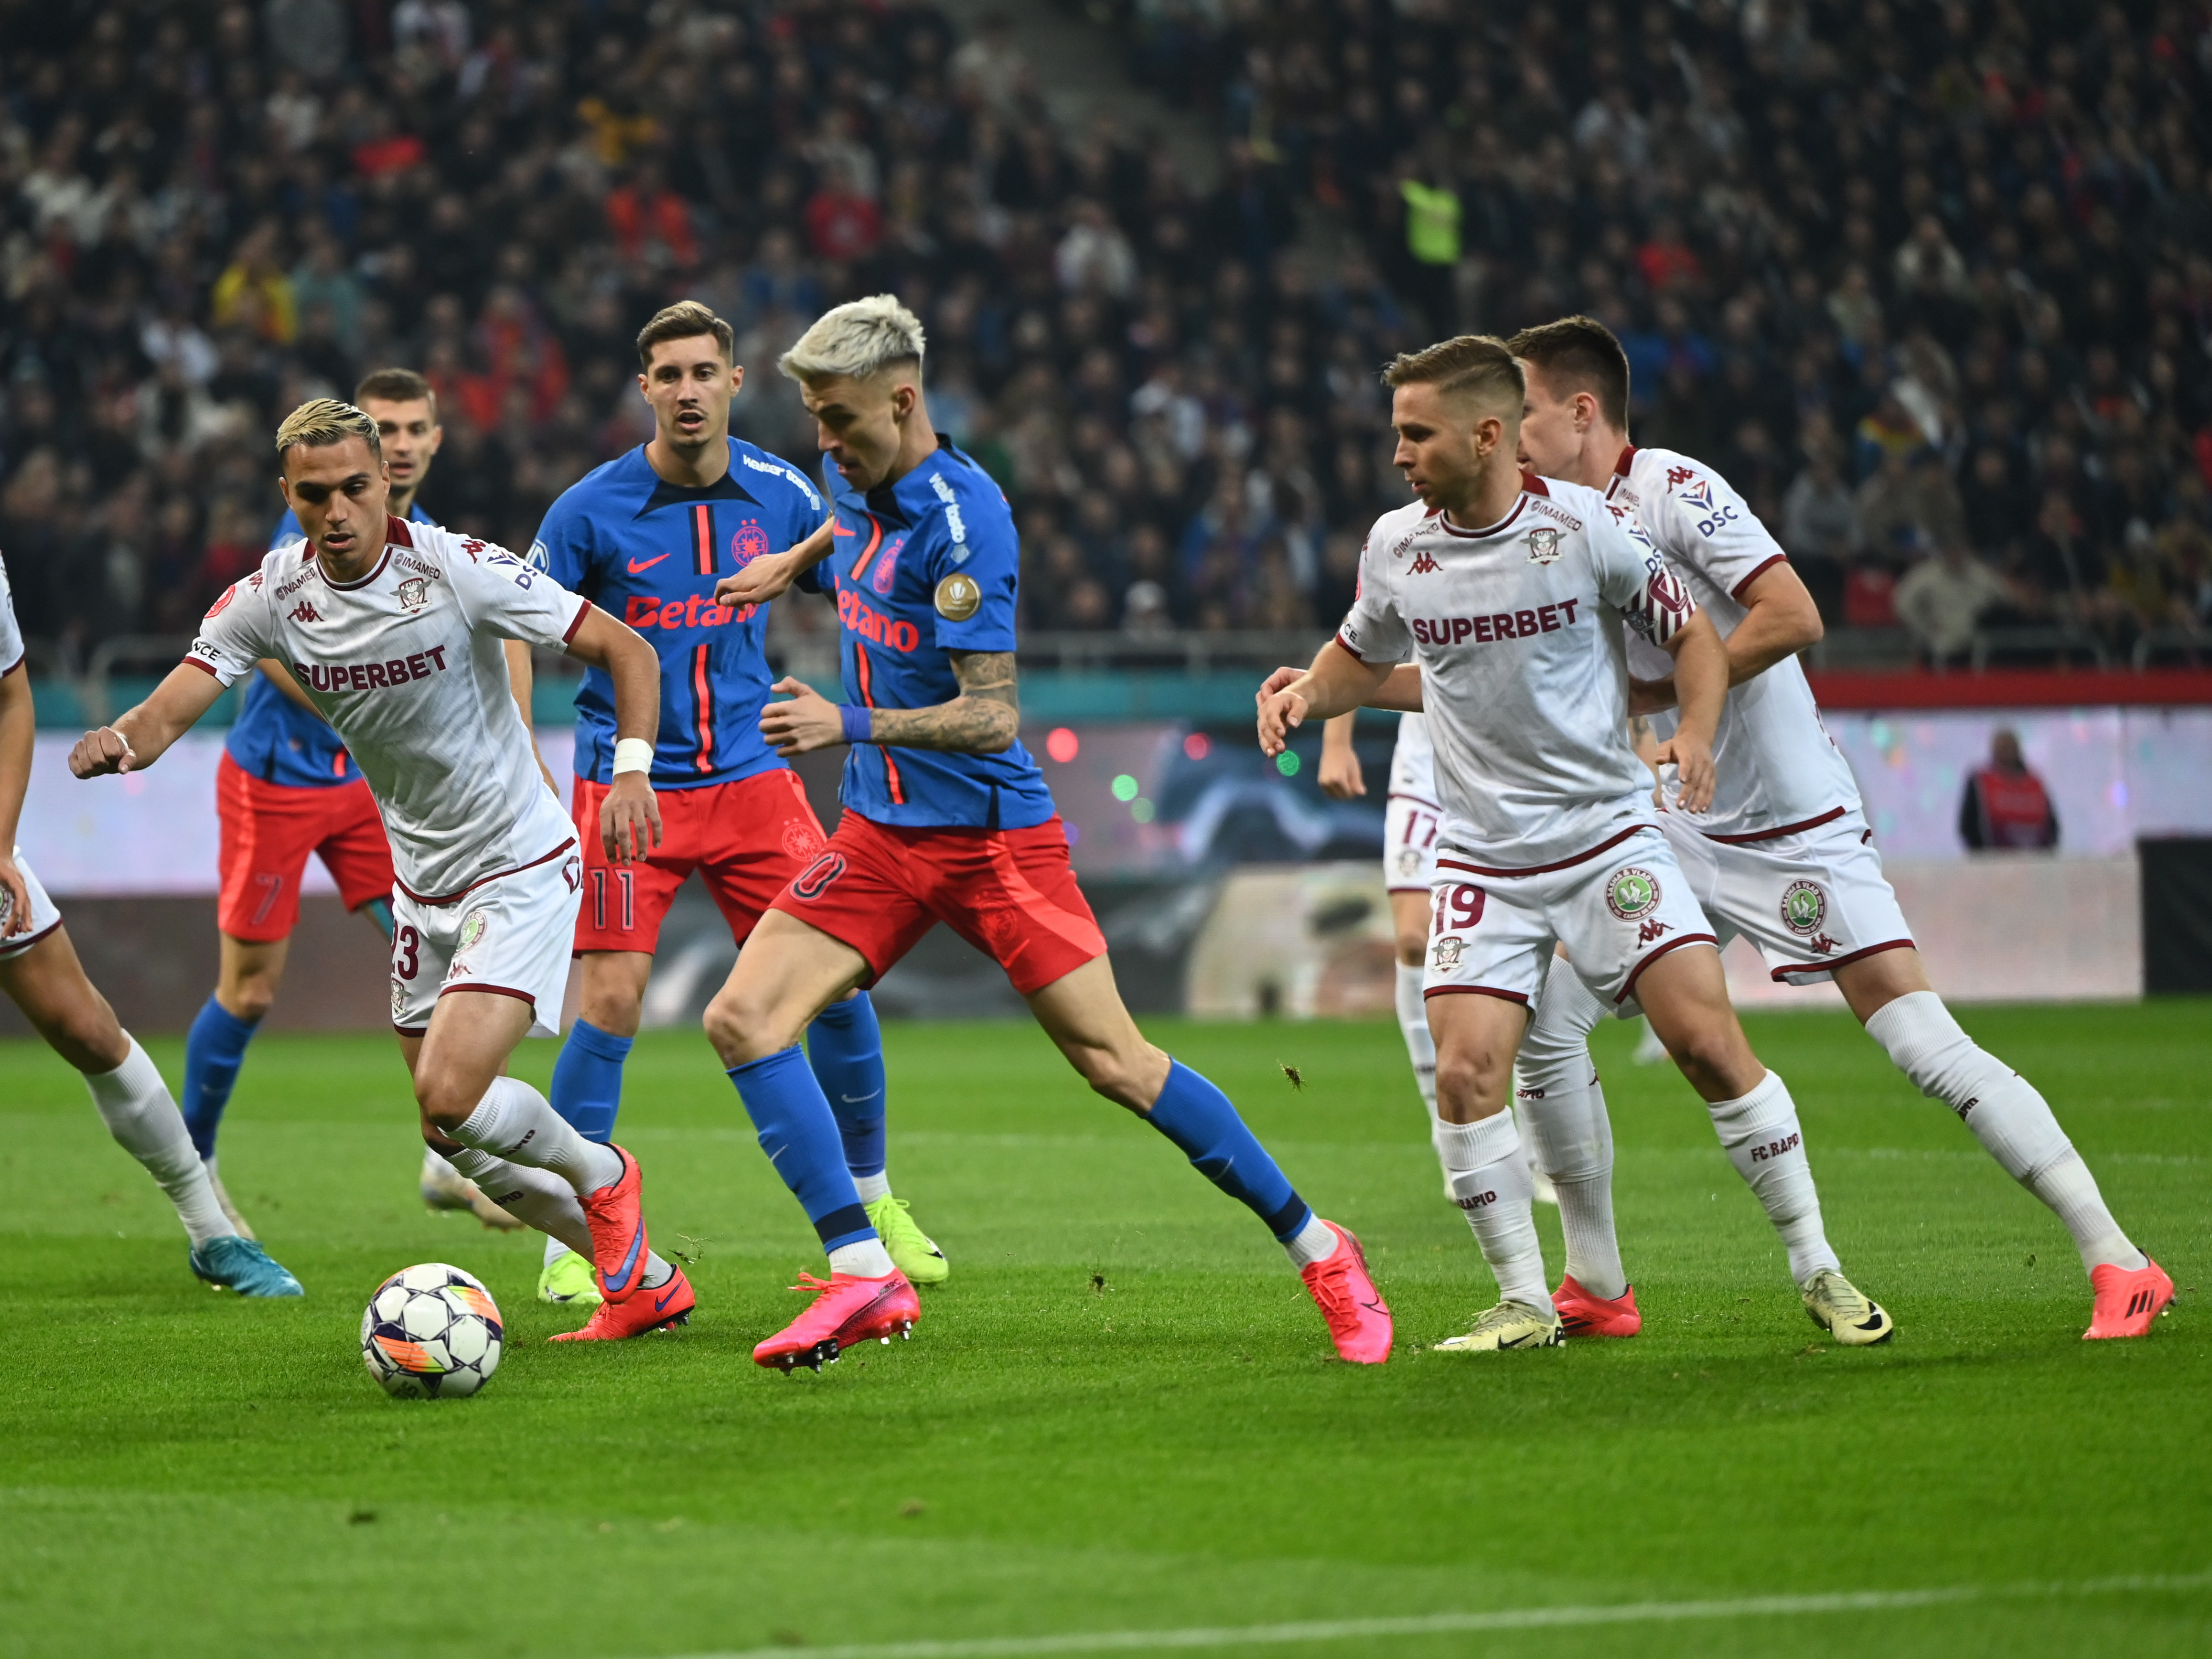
[(397, 385), (1476, 364), (684, 320), (321, 422), (1580, 354)]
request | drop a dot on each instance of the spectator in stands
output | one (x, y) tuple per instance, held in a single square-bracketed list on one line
[(1942, 599), (2006, 808)]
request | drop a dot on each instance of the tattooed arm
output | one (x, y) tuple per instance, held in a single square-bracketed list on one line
[(982, 719)]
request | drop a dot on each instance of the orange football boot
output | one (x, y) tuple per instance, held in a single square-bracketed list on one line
[(615, 1215), (653, 1308), (1584, 1315), (2127, 1302), (845, 1311), (1358, 1319)]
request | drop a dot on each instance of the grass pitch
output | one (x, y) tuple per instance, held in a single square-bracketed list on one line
[(1121, 1414)]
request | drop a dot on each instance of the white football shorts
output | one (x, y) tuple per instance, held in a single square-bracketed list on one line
[(510, 936), (1617, 912), (45, 918), (1409, 844), (1810, 901)]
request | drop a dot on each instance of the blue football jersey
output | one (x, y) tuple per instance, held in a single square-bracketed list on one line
[(649, 552), (275, 740), (921, 567)]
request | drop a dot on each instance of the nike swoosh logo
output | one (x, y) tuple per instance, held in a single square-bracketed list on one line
[(858, 1100), (635, 567), (841, 531), (663, 1300), (616, 1281)]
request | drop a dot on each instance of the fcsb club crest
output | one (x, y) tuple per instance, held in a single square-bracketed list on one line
[(1632, 893), (748, 544), (1804, 907), (1445, 952), (1543, 546), (413, 594)]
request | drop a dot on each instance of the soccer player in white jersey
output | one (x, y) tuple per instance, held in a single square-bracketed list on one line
[(40, 973), (1782, 855), (396, 631), (1507, 590)]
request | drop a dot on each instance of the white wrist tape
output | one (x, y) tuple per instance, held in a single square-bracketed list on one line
[(632, 755)]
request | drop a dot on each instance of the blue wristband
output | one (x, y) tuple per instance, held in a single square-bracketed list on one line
[(857, 720)]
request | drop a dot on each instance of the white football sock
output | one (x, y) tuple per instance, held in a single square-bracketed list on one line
[(1315, 1241), (137, 1106), (1763, 1138), (657, 1271), (2013, 1123), (873, 1187), (513, 1121), (1568, 1134), (1413, 1026), (435, 1165), (1488, 1179), (537, 1198), (867, 1259)]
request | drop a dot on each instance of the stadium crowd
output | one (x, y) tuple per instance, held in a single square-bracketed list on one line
[(1931, 285)]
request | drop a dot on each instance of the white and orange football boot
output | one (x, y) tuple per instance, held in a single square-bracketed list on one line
[(615, 1215), (1584, 1315), (845, 1311), (2127, 1302), (655, 1307), (1358, 1319)]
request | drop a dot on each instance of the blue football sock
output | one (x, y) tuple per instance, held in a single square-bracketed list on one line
[(378, 910), (799, 1135), (213, 1052), (587, 1080), (845, 1047), (1198, 1117)]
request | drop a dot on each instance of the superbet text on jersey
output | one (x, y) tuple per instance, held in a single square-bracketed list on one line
[(407, 662), (1517, 631)]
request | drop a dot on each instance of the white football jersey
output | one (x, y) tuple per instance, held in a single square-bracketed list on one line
[(11, 631), (1776, 769), (407, 664), (1517, 631), (1413, 761)]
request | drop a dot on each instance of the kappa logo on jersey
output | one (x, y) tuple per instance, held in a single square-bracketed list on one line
[(1499, 625), (1446, 951), (1821, 945), (810, 883), (1543, 545), (1804, 907), (1423, 562), (1651, 930), (413, 594), (1678, 476), (1632, 893), (305, 612)]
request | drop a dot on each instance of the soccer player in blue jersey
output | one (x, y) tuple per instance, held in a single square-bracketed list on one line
[(946, 819), (645, 536), (286, 787)]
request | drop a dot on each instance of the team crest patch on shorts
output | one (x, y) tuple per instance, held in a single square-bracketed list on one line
[(801, 841), (1445, 951), (1543, 546), (1804, 907), (1632, 893), (398, 1000), (472, 929), (810, 882), (958, 597)]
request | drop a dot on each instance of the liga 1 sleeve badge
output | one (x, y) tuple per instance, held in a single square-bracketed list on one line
[(958, 597)]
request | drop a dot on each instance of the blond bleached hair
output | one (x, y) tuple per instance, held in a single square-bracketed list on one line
[(321, 422), (855, 341), (1476, 366)]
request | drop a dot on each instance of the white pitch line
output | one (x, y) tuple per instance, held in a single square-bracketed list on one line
[(1454, 1624)]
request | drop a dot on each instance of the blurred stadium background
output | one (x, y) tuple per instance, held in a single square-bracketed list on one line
[(1932, 285)]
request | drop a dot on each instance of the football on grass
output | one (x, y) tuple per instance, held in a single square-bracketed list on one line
[(431, 1332)]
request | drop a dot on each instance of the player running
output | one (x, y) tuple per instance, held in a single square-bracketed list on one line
[(40, 973), (285, 787), (1782, 855), (645, 537), (395, 633), (946, 819), (1504, 587)]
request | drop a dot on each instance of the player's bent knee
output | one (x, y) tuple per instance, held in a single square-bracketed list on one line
[(745, 1027)]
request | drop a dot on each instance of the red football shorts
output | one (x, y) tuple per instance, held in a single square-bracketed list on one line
[(1010, 893), (269, 829), (745, 839)]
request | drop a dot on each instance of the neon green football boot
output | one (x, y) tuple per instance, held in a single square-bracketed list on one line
[(912, 1251), (567, 1278)]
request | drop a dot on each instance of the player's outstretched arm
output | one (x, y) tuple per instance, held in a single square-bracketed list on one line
[(1401, 694), (1337, 683), (143, 735), (630, 817), (772, 573), (983, 720), (1701, 678), (19, 724), (1339, 774)]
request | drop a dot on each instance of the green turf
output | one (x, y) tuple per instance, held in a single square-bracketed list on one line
[(1122, 1413)]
